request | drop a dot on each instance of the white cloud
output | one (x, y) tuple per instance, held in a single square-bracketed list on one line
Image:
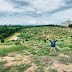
[(5, 6), (32, 22), (46, 5), (36, 13)]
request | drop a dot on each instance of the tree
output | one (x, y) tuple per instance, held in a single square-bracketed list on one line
[(1, 36), (70, 26), (2, 40)]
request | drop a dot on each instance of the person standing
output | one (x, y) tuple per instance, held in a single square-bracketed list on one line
[(53, 46)]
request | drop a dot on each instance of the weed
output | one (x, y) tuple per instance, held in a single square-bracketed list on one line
[(5, 51), (2, 62), (52, 70), (22, 67)]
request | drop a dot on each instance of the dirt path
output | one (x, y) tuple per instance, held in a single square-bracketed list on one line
[(15, 35)]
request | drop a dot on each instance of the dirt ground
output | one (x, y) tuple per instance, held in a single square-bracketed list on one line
[(47, 61), (15, 35), (3, 46)]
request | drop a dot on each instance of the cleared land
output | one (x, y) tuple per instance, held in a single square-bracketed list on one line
[(13, 37)]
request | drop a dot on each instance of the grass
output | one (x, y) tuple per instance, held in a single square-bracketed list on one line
[(52, 70), (65, 60), (22, 67), (23, 53), (11, 55), (4, 69), (5, 51), (35, 60), (18, 68), (65, 50), (37, 45), (32, 50), (2, 62), (70, 46), (62, 44)]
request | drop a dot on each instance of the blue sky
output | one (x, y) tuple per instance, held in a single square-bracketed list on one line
[(35, 12)]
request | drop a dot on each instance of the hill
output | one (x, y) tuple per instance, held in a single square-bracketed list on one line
[(31, 53)]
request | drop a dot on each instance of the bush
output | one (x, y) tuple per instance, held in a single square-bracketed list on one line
[(1, 36), (47, 38), (23, 41), (70, 25), (4, 34), (44, 40), (17, 43), (2, 40), (62, 40), (26, 39)]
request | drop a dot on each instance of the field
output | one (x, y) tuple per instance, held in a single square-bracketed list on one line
[(31, 53)]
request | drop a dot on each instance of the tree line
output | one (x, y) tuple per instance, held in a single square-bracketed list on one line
[(6, 31)]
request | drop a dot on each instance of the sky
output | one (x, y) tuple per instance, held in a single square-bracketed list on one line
[(35, 12)]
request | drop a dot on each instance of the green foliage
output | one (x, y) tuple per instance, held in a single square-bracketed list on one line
[(1, 36), (33, 51), (65, 60), (2, 40), (17, 43), (65, 50), (5, 51), (53, 70), (22, 67), (25, 36), (70, 25), (43, 51), (6, 31), (2, 62), (4, 69), (35, 60), (70, 46)]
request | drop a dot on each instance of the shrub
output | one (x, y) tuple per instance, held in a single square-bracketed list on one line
[(44, 40), (62, 40), (23, 41), (17, 43), (47, 38), (1, 36), (70, 25), (4, 34), (26, 39), (2, 40)]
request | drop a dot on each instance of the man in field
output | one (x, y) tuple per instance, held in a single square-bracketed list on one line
[(53, 46)]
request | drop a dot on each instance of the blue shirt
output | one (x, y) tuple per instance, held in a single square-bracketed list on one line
[(52, 43)]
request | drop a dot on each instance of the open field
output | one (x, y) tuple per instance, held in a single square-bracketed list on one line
[(31, 53)]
